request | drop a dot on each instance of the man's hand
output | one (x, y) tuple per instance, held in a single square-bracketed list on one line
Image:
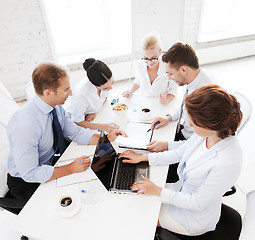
[(162, 121), (157, 146), (80, 164), (109, 127), (147, 187), (115, 133), (133, 157)]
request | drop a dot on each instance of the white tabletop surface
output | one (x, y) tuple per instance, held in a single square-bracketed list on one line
[(108, 215)]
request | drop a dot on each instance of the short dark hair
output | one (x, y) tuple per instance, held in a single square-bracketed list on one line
[(97, 71), (211, 107), (181, 54), (46, 76)]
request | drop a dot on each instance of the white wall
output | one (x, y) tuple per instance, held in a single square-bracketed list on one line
[(24, 41)]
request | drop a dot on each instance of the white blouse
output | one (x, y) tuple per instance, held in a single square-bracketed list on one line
[(161, 85), (85, 100)]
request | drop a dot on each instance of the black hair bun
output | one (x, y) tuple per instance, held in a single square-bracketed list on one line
[(88, 63)]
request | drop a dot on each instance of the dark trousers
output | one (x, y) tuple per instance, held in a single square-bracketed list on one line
[(20, 189), (172, 175)]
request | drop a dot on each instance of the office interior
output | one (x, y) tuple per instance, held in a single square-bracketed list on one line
[(26, 41)]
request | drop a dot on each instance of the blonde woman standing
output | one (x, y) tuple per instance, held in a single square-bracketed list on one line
[(150, 77)]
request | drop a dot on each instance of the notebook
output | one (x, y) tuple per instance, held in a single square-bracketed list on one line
[(116, 176), (138, 136)]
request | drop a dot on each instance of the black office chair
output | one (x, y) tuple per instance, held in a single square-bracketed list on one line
[(228, 228), (13, 205)]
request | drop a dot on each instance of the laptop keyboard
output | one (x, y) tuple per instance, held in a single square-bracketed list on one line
[(126, 175)]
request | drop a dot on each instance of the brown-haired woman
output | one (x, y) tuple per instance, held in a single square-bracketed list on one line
[(209, 163)]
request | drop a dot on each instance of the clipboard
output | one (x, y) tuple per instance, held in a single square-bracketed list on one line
[(138, 136)]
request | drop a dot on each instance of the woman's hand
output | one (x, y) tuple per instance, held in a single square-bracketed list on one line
[(109, 127), (163, 100), (80, 164), (90, 117), (157, 146), (133, 157), (126, 94), (147, 187)]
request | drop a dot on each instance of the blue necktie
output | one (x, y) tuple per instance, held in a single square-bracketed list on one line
[(59, 140)]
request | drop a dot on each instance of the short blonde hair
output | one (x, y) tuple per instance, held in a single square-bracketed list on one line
[(151, 41)]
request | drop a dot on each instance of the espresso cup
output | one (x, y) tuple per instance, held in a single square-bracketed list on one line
[(145, 113), (66, 204)]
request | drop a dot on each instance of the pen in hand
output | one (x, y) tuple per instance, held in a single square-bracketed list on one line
[(153, 126), (89, 156)]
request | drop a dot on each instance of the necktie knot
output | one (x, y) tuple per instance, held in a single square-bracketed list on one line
[(54, 113)]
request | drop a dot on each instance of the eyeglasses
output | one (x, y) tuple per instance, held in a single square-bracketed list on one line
[(150, 59)]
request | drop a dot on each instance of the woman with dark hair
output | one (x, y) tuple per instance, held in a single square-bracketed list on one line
[(89, 96), (209, 163)]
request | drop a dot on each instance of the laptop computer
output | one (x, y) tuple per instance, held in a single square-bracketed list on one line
[(116, 176)]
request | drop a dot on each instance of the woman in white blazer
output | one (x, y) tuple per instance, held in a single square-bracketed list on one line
[(209, 163)]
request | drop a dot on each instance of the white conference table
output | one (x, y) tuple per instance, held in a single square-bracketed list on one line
[(108, 216)]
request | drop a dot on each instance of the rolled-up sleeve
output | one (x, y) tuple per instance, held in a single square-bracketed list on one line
[(25, 157)]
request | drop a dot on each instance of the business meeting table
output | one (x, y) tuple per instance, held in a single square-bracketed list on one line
[(98, 214)]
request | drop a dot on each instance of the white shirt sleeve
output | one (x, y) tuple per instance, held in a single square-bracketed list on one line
[(79, 108), (172, 87)]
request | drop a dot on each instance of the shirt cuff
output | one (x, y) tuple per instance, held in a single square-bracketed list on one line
[(152, 159), (175, 115), (165, 195)]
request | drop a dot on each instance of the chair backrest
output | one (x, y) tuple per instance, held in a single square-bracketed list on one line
[(29, 90), (246, 108), (248, 230), (7, 107), (228, 228)]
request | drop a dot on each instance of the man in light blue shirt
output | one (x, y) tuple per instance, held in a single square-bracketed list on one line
[(30, 134)]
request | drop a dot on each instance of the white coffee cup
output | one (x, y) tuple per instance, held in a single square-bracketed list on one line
[(66, 204), (145, 113)]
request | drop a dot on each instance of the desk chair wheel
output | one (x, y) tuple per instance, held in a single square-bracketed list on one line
[(228, 228)]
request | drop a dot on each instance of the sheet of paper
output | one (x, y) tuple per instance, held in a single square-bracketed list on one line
[(138, 136), (130, 142), (86, 176)]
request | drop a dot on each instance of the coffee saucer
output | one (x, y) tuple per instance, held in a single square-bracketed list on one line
[(64, 214), (146, 118)]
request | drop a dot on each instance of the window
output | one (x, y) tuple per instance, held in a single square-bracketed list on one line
[(226, 19), (79, 29)]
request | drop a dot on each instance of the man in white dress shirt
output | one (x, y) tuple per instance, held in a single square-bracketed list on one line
[(182, 66)]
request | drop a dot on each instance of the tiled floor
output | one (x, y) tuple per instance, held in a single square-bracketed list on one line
[(236, 75)]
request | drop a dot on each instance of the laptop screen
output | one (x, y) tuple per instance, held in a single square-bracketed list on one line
[(103, 161)]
